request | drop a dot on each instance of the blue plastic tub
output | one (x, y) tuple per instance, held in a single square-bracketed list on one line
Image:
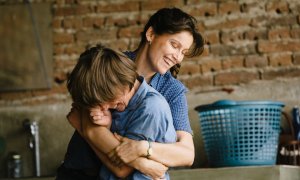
[(240, 133)]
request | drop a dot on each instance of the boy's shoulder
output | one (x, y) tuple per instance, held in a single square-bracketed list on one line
[(155, 99)]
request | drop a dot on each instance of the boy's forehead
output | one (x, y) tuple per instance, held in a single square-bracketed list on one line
[(120, 95)]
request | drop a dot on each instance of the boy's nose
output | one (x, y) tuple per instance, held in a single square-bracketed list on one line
[(105, 107)]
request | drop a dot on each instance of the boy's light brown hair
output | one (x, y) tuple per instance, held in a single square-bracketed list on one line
[(100, 75)]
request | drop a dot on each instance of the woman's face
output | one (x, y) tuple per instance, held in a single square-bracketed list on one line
[(168, 49)]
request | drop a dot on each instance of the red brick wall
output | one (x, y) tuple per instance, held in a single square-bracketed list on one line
[(245, 40)]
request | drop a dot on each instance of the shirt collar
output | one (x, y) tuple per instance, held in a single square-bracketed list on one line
[(139, 94), (154, 82)]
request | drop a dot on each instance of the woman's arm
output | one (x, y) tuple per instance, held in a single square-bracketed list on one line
[(149, 167), (182, 153), (184, 147)]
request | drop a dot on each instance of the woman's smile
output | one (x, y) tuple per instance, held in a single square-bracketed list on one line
[(169, 62)]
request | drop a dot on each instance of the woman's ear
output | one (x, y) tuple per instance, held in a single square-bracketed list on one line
[(150, 34)]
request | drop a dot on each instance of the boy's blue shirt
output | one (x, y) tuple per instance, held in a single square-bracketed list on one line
[(147, 117), (175, 93)]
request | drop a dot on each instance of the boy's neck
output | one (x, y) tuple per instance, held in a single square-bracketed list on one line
[(134, 89)]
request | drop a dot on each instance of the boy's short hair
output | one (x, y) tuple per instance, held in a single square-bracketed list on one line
[(100, 75)]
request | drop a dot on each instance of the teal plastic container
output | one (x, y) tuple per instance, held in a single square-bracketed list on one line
[(240, 133)]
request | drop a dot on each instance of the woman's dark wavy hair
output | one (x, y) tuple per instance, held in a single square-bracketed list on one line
[(172, 21)]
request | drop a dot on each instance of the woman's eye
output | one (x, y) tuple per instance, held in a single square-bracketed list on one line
[(174, 45)]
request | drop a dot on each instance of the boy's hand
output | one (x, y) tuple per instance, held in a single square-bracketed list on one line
[(101, 117)]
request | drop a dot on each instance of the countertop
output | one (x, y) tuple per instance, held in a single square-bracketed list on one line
[(278, 172)]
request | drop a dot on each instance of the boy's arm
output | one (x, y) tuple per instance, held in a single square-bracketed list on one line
[(121, 172), (89, 131), (102, 141), (101, 146), (153, 169), (79, 119)]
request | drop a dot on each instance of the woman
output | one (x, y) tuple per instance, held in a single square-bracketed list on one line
[(168, 37)]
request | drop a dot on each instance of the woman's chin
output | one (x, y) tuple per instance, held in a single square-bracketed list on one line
[(162, 71)]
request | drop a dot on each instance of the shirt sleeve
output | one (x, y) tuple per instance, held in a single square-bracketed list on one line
[(179, 109), (151, 122), (144, 127), (175, 93)]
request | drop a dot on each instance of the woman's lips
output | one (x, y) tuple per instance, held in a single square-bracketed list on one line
[(168, 61)]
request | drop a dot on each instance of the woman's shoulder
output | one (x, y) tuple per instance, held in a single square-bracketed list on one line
[(169, 87), (168, 78)]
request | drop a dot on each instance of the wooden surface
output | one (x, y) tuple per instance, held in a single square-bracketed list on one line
[(239, 173), (281, 172)]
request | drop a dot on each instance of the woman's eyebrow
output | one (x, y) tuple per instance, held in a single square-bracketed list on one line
[(179, 43)]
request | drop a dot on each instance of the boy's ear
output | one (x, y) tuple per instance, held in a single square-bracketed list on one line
[(150, 34)]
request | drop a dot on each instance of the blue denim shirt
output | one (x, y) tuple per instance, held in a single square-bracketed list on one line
[(174, 92), (147, 117), (79, 154)]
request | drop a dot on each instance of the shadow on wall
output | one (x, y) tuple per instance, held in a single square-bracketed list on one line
[(54, 135)]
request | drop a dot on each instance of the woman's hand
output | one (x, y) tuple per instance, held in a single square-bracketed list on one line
[(128, 151), (101, 117)]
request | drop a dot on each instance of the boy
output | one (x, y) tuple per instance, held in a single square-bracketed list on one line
[(107, 79)]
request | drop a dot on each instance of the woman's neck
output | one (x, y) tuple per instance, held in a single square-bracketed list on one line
[(142, 63)]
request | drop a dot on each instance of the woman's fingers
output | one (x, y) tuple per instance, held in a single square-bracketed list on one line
[(119, 137)]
